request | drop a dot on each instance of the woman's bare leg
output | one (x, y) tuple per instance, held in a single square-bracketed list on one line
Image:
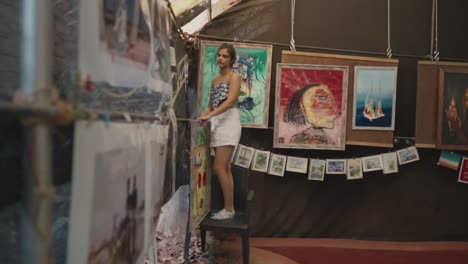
[(222, 170)]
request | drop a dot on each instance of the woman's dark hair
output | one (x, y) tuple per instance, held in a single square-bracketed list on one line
[(294, 113), (230, 49)]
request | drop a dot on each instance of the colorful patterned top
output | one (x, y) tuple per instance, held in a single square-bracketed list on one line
[(219, 93)]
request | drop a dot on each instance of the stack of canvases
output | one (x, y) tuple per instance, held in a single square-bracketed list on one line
[(275, 164)]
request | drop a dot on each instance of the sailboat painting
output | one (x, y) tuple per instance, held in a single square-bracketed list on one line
[(374, 98)]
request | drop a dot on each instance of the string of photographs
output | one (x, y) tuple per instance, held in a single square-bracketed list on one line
[(276, 164)]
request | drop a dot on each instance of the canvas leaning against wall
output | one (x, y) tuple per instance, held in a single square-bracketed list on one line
[(452, 125), (310, 106), (374, 98), (200, 172), (116, 192), (253, 63)]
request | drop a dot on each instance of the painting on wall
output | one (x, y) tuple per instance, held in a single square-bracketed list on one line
[(336, 166), (354, 170), (277, 165), (200, 176), (407, 155), (374, 98), (390, 163), (260, 160), (452, 120), (253, 63), (244, 156), (316, 170), (310, 106), (372, 163), (296, 164)]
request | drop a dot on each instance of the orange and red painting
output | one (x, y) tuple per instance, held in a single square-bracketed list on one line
[(310, 106)]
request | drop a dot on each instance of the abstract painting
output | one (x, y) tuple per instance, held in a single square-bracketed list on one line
[(452, 128), (260, 160), (374, 98), (296, 164), (354, 170), (316, 170), (200, 176), (253, 63), (310, 106), (407, 155), (449, 160), (277, 165)]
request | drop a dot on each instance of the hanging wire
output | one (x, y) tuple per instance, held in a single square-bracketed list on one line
[(292, 43), (389, 49), (436, 37)]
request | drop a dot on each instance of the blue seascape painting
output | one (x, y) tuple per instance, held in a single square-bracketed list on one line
[(374, 98)]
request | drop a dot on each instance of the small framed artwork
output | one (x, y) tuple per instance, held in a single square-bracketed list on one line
[(463, 174), (374, 97), (390, 163), (452, 121), (336, 166), (354, 170), (260, 160), (407, 155), (296, 164), (372, 163), (277, 165), (316, 170), (244, 156), (449, 160)]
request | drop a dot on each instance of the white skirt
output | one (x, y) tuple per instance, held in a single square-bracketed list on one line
[(226, 128)]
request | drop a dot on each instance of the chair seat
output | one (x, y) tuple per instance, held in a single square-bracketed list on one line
[(236, 224)]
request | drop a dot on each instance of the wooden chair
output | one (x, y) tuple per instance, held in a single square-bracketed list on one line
[(243, 198)]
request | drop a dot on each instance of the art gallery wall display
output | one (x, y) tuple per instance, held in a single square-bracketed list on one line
[(407, 155), (253, 64), (379, 131), (449, 160), (354, 169), (336, 166), (310, 106), (372, 163), (316, 170), (200, 172), (277, 165), (119, 167), (260, 160), (463, 173), (390, 163), (296, 164)]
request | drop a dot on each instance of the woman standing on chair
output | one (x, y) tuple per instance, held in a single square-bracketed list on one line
[(225, 124)]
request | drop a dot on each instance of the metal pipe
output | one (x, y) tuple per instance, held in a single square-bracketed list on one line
[(36, 73)]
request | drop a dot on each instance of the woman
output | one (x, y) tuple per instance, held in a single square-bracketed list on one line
[(225, 125)]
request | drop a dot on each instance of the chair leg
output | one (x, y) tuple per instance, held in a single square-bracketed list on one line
[(245, 248), (203, 239)]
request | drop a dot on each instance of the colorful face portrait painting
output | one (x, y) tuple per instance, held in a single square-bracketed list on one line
[(316, 170), (453, 110), (253, 63), (407, 155), (200, 178), (310, 106), (260, 161), (374, 98), (354, 170), (336, 166), (277, 165)]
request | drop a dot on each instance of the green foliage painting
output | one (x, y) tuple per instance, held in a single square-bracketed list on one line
[(253, 63)]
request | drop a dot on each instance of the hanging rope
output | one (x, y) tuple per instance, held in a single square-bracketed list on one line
[(389, 49), (436, 37), (292, 43)]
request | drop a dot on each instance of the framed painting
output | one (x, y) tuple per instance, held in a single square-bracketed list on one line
[(316, 170), (463, 174), (354, 170), (277, 165), (296, 164), (372, 163), (200, 173), (407, 155), (452, 122), (336, 166), (449, 160), (390, 163), (244, 156), (260, 160), (253, 63), (374, 98), (310, 106)]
